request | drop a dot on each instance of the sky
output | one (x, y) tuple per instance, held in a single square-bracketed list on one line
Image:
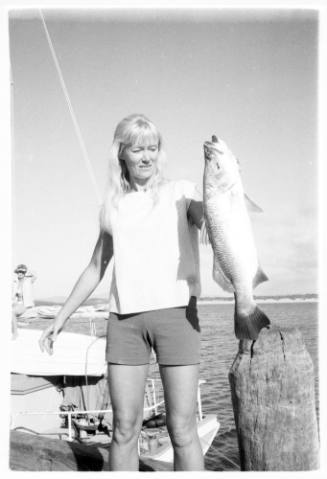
[(248, 75)]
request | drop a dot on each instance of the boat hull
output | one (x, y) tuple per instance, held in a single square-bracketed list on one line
[(207, 430), (30, 393)]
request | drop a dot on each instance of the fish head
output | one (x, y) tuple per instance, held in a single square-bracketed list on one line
[(221, 169)]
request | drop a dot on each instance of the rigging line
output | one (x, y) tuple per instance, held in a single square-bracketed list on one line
[(230, 460), (71, 110)]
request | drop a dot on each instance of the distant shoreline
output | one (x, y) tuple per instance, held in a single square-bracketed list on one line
[(310, 298), (259, 301)]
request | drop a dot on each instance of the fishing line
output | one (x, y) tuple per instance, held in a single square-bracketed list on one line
[(71, 110)]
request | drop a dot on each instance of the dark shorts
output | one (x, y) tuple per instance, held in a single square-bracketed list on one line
[(173, 333)]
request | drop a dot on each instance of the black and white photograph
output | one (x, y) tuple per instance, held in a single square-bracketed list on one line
[(165, 286)]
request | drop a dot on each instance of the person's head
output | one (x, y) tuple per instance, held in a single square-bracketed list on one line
[(136, 159), (137, 149), (21, 271)]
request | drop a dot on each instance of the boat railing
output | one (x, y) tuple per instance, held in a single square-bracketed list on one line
[(75, 412)]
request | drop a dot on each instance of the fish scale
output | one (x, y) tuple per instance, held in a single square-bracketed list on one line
[(235, 266)]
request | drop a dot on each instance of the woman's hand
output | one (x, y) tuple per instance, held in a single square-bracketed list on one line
[(48, 337)]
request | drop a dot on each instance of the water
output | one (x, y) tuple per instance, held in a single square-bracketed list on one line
[(218, 350)]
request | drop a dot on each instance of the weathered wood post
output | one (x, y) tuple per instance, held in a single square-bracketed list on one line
[(272, 386)]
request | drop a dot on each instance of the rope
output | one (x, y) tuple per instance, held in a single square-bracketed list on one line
[(229, 460), (71, 110)]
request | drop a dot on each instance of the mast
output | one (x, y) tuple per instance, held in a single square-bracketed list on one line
[(78, 132)]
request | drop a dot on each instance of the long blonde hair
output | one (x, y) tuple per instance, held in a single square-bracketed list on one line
[(129, 131)]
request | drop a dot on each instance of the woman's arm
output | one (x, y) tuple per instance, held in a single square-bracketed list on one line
[(31, 275), (195, 213), (85, 285), (90, 278)]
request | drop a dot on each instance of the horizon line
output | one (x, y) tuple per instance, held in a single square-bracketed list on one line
[(287, 295)]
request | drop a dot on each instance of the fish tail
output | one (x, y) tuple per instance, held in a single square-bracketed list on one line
[(249, 326)]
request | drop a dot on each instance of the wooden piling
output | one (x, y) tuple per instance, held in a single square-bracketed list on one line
[(272, 386)]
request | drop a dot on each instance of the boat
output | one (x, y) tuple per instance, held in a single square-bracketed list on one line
[(65, 396)]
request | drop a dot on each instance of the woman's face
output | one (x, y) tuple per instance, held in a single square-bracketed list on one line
[(141, 160)]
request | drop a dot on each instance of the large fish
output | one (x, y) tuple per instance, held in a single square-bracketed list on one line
[(235, 265)]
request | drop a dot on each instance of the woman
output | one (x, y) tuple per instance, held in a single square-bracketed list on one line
[(22, 295), (149, 225)]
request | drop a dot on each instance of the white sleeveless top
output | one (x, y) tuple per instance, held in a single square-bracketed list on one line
[(156, 250)]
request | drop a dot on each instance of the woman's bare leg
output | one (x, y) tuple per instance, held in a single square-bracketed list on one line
[(14, 329), (180, 388), (126, 388)]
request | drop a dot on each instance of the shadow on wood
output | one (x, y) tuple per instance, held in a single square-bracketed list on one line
[(29, 452), (272, 386)]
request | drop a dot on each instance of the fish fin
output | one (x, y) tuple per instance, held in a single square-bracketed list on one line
[(204, 236), (251, 205), (249, 326), (220, 278), (259, 277)]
